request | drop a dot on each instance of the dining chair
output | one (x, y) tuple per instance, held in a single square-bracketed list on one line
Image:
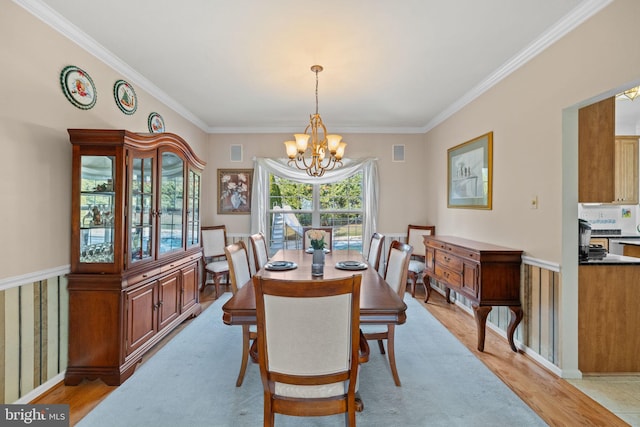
[(310, 346), (375, 250), (395, 275), (240, 275), (214, 240), (259, 249), (417, 263), (328, 238)]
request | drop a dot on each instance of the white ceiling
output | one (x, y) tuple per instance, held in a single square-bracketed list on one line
[(244, 65)]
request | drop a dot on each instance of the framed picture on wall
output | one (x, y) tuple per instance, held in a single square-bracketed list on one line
[(470, 173), (234, 191)]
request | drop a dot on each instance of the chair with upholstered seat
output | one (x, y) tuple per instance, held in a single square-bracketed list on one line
[(214, 240), (375, 250), (395, 275), (328, 235), (240, 275), (310, 346), (417, 263), (260, 250)]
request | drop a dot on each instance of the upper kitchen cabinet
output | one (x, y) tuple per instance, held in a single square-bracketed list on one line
[(596, 152), (626, 170), (607, 164)]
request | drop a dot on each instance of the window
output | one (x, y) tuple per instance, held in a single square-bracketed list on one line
[(294, 205)]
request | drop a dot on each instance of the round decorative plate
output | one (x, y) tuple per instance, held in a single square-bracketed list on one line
[(156, 123), (351, 265), (125, 96), (280, 265), (78, 87)]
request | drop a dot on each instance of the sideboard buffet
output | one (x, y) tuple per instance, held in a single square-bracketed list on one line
[(487, 275), (135, 248)]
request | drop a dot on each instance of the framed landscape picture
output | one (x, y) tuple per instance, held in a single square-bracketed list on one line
[(234, 191), (469, 173)]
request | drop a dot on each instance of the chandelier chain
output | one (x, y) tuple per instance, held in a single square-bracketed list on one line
[(317, 91)]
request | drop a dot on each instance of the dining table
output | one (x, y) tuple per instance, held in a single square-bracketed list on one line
[(379, 304)]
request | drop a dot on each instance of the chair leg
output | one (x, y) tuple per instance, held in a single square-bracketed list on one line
[(427, 287), (245, 354), (381, 346), (216, 281), (413, 280), (392, 354), (204, 280)]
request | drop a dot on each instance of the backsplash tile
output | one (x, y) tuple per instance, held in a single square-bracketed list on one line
[(610, 217)]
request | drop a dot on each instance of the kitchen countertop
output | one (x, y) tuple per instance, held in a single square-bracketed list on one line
[(617, 236), (612, 259), (627, 241)]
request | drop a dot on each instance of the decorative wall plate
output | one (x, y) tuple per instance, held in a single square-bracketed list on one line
[(78, 87), (156, 123), (125, 96)]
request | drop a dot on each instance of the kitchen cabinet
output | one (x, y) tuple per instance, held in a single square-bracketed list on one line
[(608, 319), (596, 152), (607, 164), (626, 170), (135, 248)]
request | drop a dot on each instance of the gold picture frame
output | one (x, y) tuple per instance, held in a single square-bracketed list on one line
[(234, 191), (470, 173)]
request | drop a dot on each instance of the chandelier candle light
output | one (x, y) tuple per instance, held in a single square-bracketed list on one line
[(325, 151)]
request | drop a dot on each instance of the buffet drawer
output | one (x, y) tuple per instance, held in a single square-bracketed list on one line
[(453, 278), (451, 262)]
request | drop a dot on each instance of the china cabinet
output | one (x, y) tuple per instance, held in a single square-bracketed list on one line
[(135, 248)]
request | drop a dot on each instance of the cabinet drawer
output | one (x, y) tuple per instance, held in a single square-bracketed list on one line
[(143, 276), (447, 260), (453, 278)]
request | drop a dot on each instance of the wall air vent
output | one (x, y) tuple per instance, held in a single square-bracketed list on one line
[(398, 153), (236, 153)]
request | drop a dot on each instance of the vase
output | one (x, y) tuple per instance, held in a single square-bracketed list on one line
[(235, 200), (317, 265)]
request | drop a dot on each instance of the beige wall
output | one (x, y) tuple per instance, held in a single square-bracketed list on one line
[(35, 166), (525, 113), (402, 196)]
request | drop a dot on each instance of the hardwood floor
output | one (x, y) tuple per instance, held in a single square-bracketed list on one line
[(556, 401)]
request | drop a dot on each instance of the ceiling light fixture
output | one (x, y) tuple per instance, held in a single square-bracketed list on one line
[(630, 94), (325, 151)]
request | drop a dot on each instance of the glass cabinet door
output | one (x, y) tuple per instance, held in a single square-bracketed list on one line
[(141, 209), (193, 209), (97, 205), (171, 202)]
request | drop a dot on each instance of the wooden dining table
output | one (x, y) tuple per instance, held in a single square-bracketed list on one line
[(379, 304)]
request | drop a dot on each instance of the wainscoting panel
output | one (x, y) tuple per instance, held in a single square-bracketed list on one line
[(33, 335), (540, 292)]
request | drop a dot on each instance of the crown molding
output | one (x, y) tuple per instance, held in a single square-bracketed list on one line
[(50, 17), (576, 17), (573, 19)]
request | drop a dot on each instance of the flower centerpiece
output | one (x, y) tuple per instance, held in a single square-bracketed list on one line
[(317, 238)]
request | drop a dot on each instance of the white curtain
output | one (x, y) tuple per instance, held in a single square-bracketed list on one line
[(265, 166)]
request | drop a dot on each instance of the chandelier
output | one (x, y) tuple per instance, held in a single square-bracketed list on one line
[(325, 151), (629, 93)]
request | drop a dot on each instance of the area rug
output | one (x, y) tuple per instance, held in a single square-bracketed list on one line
[(191, 382)]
